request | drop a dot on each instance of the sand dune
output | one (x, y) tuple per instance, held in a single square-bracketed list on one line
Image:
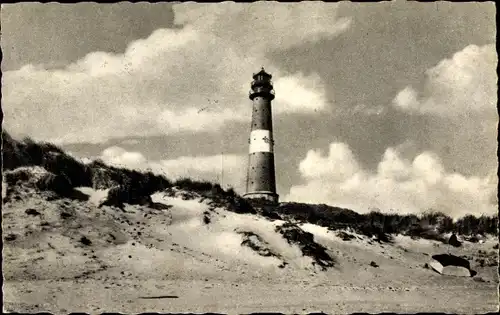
[(72, 255)]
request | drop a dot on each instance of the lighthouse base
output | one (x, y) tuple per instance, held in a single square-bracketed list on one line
[(262, 198)]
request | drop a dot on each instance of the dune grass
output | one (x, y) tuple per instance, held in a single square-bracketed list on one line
[(429, 225), (132, 186)]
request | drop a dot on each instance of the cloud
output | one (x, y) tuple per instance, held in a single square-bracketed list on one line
[(407, 99), (193, 119), (298, 93), (339, 164), (457, 99), (406, 186), (277, 26), (120, 157), (160, 83), (227, 170), (465, 84)]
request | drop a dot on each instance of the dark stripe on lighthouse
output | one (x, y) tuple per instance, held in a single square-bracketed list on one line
[(261, 115), (261, 172)]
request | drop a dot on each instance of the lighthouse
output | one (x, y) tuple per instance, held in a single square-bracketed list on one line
[(261, 180)]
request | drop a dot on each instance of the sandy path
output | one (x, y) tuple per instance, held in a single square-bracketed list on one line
[(229, 297)]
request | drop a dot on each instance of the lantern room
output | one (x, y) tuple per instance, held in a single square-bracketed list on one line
[(261, 85)]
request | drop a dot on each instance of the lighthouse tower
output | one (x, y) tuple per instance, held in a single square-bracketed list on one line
[(261, 181)]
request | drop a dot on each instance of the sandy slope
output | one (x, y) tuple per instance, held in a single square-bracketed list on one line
[(200, 267)]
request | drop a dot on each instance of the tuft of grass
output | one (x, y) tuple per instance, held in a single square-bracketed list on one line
[(305, 241), (220, 197), (20, 175), (59, 184), (469, 225), (197, 186)]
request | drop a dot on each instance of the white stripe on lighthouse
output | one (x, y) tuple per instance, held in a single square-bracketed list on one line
[(261, 141)]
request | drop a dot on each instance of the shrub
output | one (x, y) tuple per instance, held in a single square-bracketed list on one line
[(59, 184), (324, 215), (13, 153), (197, 186), (20, 175), (34, 151), (240, 205), (62, 164), (130, 186), (118, 196), (231, 193), (305, 241), (47, 155), (470, 224)]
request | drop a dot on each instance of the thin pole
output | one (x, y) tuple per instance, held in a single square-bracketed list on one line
[(222, 169)]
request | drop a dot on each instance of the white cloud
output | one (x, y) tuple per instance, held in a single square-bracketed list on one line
[(193, 119), (227, 170), (339, 164), (159, 84), (458, 97), (277, 25), (297, 93), (407, 98), (462, 85), (120, 157), (403, 185)]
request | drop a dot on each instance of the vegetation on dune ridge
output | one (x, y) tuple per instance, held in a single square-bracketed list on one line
[(126, 185), (134, 187), (429, 225)]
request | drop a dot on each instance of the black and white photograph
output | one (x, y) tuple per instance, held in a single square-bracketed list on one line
[(249, 157)]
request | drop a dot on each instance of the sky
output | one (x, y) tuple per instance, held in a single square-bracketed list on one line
[(388, 105)]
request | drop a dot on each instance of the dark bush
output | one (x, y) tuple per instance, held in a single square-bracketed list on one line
[(85, 241), (256, 243), (34, 151), (324, 215), (305, 241), (421, 230), (46, 155), (470, 224), (62, 164), (206, 217), (10, 237), (104, 177), (192, 185), (240, 205), (231, 193), (32, 212), (59, 184), (115, 198), (120, 195), (13, 154), (20, 175), (345, 236), (127, 186), (50, 147)]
